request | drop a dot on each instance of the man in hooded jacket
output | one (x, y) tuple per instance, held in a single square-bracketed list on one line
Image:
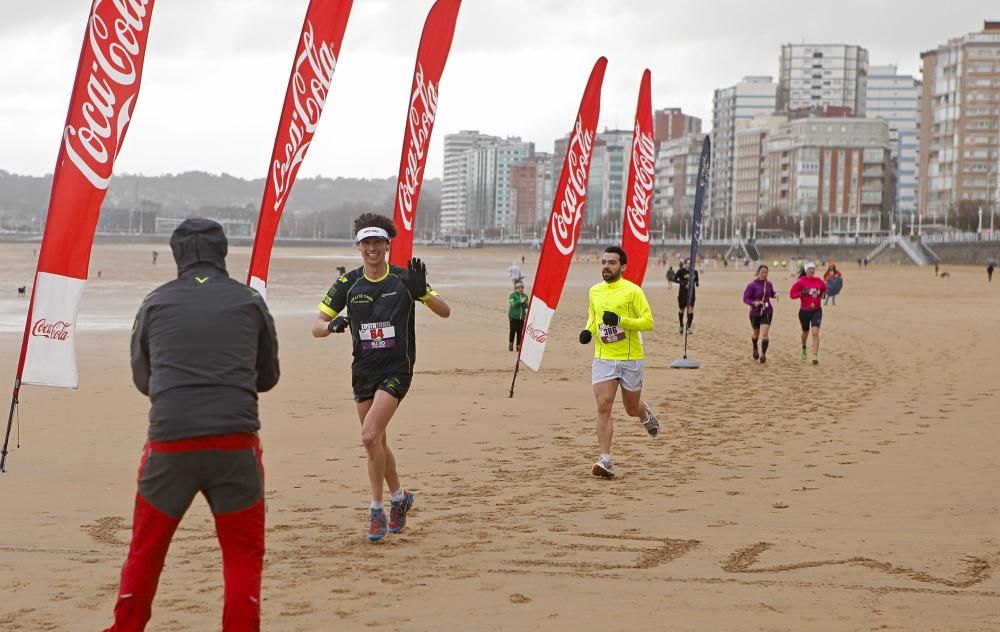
[(203, 346)]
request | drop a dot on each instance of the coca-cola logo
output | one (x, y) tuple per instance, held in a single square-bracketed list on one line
[(570, 212), (644, 168), (310, 85), (536, 334), (113, 48), (419, 123), (58, 330)]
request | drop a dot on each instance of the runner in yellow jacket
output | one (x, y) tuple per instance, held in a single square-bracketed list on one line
[(618, 313)]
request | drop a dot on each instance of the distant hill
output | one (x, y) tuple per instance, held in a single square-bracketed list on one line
[(196, 192)]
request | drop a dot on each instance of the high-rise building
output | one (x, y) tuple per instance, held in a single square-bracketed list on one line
[(609, 165), (671, 123), (677, 176), (751, 97), (455, 176), (748, 166), (895, 98), (815, 76), (532, 187), (838, 168), (960, 124), (509, 151)]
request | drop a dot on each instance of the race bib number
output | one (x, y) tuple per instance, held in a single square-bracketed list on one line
[(611, 333), (377, 336)]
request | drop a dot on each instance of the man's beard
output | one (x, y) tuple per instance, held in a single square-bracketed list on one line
[(610, 277)]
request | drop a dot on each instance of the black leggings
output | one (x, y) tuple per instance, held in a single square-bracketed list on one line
[(516, 327)]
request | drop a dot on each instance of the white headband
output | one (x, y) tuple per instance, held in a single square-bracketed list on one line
[(371, 231)]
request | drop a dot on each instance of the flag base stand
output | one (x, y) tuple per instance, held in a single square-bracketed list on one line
[(684, 363)]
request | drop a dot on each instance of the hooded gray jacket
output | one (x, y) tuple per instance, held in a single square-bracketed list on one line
[(203, 345)]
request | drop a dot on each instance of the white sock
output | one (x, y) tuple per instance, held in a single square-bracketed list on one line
[(378, 504), (606, 456), (397, 495)]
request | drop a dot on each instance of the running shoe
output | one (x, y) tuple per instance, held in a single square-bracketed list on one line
[(377, 526), (603, 468), (510, 346), (650, 422), (763, 358), (756, 354), (397, 512), (815, 358), (680, 330), (805, 356)]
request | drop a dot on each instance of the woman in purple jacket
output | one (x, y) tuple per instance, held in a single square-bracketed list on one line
[(758, 295)]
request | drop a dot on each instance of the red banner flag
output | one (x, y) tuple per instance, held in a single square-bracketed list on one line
[(308, 87), (565, 222), (639, 191), (435, 43), (100, 109)]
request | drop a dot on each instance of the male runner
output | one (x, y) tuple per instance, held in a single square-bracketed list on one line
[(517, 308), (203, 346), (758, 295), (380, 300), (811, 290), (683, 277), (618, 312)]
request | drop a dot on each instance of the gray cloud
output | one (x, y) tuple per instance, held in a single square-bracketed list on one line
[(216, 70)]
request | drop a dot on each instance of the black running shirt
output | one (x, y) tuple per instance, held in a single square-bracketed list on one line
[(683, 278), (381, 313)]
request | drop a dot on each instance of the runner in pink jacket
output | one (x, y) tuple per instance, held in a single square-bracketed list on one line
[(811, 290)]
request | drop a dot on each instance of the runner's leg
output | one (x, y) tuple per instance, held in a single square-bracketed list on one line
[(604, 393), (376, 418)]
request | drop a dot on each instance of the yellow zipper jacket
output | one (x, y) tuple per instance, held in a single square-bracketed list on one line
[(626, 299)]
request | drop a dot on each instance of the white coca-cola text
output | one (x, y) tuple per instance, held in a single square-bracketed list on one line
[(310, 85), (58, 330), (94, 132), (536, 334), (570, 212), (644, 169), (419, 123)]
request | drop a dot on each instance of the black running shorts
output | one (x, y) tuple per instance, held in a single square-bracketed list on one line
[(756, 320), (365, 386), (682, 300), (812, 318)]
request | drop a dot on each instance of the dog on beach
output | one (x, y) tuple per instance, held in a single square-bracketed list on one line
[(945, 275), (22, 291)]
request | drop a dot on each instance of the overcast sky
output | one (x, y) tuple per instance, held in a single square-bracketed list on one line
[(216, 71)]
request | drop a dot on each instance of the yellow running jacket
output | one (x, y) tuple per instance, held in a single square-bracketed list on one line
[(621, 342)]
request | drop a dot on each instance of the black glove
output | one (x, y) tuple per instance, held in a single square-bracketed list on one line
[(416, 280), (611, 319), (339, 324), (585, 336)]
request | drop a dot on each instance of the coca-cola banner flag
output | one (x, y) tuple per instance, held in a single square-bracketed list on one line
[(308, 87), (104, 94), (435, 43), (639, 191), (565, 222), (699, 201)]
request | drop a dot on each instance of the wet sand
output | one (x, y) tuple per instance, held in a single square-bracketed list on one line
[(859, 494)]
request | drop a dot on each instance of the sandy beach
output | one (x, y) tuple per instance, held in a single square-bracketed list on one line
[(860, 494)]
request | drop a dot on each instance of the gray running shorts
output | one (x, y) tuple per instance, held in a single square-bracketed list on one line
[(627, 372)]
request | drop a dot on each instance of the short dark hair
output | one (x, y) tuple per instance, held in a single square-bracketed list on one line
[(618, 250), (375, 220), (762, 267)]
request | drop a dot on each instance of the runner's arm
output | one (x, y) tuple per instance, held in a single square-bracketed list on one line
[(796, 289), (748, 295), (643, 321), (332, 304), (436, 304)]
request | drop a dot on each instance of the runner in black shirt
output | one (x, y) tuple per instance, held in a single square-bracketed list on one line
[(683, 277), (379, 299)]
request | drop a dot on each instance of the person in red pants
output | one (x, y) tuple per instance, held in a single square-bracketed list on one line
[(203, 346)]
